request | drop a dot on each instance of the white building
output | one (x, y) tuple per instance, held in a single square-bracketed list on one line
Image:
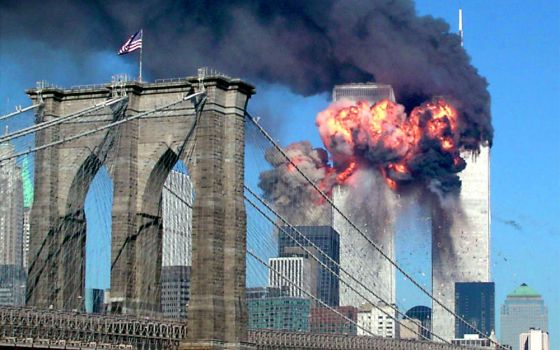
[(177, 200), (377, 320), (535, 339), (298, 270), (374, 218), (461, 240)]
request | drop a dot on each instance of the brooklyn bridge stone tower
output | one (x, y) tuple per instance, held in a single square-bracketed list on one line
[(142, 152)]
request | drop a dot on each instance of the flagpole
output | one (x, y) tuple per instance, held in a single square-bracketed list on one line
[(140, 68)]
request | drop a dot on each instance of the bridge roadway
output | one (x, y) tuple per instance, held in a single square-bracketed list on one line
[(47, 329)]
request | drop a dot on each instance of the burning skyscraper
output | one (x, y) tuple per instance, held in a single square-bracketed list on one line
[(373, 214)]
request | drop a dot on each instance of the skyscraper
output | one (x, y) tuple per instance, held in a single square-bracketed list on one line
[(12, 274), (461, 239), (357, 256), (298, 270), (327, 240), (177, 200), (474, 302), (11, 211), (523, 309)]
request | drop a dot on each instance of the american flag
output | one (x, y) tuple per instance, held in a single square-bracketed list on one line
[(133, 43)]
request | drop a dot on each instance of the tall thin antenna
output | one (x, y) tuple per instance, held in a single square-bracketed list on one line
[(461, 24)]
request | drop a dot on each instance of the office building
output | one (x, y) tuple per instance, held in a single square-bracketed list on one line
[(523, 309), (339, 320), (11, 210), (326, 239), (410, 329), (177, 199), (474, 302), (175, 291), (378, 320), (28, 190), (301, 277), (12, 273), (423, 315), (534, 339), (273, 308), (461, 239), (12, 285), (375, 271), (94, 301)]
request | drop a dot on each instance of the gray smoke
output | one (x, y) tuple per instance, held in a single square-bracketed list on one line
[(292, 196), (307, 45)]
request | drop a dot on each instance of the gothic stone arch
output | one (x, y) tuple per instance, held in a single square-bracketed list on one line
[(141, 153)]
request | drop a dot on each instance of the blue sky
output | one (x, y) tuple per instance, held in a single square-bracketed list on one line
[(514, 44)]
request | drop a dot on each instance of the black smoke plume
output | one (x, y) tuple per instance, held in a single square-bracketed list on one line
[(307, 45)]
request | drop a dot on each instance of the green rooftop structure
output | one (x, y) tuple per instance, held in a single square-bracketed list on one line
[(524, 291)]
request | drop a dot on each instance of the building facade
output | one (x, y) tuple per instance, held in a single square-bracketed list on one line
[(375, 271), (378, 320), (298, 270), (523, 309), (461, 239), (12, 272), (324, 238), (423, 315), (94, 301), (273, 308), (340, 320), (534, 339), (175, 291), (474, 302), (177, 200)]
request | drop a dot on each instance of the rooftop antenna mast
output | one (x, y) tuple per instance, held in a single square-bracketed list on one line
[(461, 24)]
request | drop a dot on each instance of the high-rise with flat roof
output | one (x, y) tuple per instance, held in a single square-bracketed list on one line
[(523, 309), (461, 239), (12, 273), (357, 256), (534, 339), (294, 273), (474, 302), (326, 239)]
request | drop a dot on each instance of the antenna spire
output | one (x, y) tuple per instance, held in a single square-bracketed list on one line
[(461, 24)]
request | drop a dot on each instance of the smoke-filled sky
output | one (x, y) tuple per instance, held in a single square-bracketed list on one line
[(295, 51)]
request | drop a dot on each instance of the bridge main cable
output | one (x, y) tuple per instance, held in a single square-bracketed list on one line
[(18, 111), (44, 125), (89, 132), (371, 242)]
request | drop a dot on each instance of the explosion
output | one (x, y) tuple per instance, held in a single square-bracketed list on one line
[(421, 147)]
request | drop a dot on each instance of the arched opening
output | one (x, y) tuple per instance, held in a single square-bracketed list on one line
[(176, 200), (97, 207)]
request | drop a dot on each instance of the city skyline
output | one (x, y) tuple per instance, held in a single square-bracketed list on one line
[(524, 179)]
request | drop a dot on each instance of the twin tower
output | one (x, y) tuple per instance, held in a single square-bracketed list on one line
[(460, 230)]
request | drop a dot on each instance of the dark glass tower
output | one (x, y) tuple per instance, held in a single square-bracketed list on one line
[(474, 302), (327, 240)]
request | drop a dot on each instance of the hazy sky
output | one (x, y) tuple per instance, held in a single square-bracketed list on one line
[(514, 44)]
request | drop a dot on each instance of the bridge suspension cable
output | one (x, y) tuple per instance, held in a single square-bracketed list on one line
[(325, 266), (268, 266), (363, 235), (18, 111), (104, 127), (47, 124)]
